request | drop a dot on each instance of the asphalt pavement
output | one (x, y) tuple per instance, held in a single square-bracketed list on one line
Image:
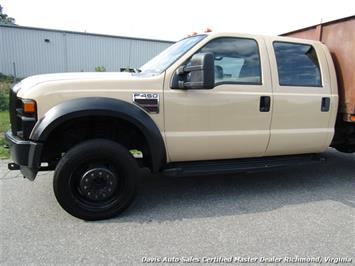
[(299, 215)]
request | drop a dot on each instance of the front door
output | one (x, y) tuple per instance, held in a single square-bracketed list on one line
[(232, 120)]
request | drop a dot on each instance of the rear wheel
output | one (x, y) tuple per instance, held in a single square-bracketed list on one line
[(345, 148), (96, 180)]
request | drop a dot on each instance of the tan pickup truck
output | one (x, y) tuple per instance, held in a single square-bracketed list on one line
[(210, 103)]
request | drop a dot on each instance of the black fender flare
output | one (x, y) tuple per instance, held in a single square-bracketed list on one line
[(102, 106)]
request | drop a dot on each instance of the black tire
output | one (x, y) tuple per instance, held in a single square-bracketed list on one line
[(96, 180), (345, 148)]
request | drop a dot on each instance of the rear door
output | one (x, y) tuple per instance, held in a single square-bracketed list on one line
[(302, 98)]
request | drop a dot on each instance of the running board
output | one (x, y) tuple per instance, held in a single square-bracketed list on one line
[(238, 165)]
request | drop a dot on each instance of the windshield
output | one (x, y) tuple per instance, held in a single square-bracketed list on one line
[(163, 60)]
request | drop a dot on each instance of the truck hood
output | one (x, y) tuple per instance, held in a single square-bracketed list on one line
[(38, 79)]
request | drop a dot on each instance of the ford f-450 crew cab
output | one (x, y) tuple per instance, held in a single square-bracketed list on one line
[(210, 103)]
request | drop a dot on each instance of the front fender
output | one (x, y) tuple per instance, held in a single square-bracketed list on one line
[(101, 106)]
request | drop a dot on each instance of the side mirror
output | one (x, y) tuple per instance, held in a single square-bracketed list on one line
[(198, 75)]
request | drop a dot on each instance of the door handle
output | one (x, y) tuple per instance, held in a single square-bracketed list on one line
[(325, 104), (264, 103)]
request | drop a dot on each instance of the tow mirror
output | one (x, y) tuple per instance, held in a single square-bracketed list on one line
[(199, 74)]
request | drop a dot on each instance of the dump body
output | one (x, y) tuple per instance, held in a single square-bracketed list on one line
[(339, 37)]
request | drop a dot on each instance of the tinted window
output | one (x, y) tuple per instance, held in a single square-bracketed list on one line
[(237, 60), (297, 64)]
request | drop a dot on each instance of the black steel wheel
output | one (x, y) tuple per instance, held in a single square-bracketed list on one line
[(96, 180)]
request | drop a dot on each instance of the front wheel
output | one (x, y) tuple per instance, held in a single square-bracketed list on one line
[(96, 180)]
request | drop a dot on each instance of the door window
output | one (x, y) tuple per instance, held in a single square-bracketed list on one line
[(297, 64), (237, 60)]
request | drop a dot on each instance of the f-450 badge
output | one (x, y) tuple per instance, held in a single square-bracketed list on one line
[(148, 101)]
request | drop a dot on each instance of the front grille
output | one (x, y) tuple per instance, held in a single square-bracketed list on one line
[(14, 104), (21, 124)]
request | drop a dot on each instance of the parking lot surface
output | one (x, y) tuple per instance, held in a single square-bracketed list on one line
[(298, 212)]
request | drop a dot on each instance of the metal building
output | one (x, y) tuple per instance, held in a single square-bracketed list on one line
[(26, 51)]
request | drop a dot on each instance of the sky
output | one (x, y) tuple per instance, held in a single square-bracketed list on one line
[(173, 20)]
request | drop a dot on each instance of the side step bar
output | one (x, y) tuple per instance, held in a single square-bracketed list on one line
[(238, 165)]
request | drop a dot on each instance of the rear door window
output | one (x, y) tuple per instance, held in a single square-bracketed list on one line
[(297, 64)]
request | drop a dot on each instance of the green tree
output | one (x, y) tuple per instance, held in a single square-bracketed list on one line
[(100, 69), (5, 19)]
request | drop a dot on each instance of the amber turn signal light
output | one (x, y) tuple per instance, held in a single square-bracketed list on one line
[(29, 106)]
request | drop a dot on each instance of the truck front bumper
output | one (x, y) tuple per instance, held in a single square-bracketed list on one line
[(26, 155)]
